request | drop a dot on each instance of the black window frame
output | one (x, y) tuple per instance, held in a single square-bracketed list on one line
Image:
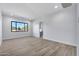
[(25, 30)]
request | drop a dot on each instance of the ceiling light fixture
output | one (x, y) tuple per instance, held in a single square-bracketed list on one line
[(56, 7)]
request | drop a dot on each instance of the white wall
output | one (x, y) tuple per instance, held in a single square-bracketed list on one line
[(7, 34), (0, 28), (77, 29), (60, 26)]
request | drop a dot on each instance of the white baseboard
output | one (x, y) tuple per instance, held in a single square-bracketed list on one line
[(71, 44), (50, 40), (64, 42), (15, 37)]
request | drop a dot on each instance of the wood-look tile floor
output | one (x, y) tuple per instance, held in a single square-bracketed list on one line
[(30, 46)]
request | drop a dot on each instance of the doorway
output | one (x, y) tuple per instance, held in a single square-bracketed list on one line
[(41, 29)]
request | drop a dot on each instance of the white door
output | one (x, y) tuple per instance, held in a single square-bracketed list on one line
[(36, 32)]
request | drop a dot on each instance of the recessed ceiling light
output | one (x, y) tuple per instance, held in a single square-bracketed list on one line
[(56, 7)]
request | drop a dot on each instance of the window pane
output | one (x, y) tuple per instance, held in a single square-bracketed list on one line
[(20, 26), (13, 25)]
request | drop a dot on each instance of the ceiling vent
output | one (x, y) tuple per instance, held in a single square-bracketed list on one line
[(65, 5)]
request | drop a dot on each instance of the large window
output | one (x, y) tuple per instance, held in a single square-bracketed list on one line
[(19, 26)]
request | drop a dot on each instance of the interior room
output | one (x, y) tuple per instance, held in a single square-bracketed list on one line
[(39, 29)]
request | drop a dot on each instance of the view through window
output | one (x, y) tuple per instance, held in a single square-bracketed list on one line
[(19, 26)]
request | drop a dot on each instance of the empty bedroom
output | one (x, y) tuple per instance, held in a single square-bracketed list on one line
[(39, 29)]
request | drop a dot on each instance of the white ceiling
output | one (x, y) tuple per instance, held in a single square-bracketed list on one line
[(32, 10)]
